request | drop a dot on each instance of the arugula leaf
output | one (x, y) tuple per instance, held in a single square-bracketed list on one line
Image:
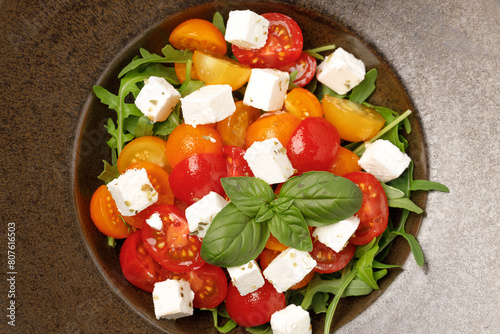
[(233, 238), (228, 326), (315, 52), (166, 127), (365, 88), (427, 185), (404, 203), (248, 194), (290, 228), (365, 269), (218, 21), (147, 57), (391, 192), (176, 56), (322, 197), (109, 174)]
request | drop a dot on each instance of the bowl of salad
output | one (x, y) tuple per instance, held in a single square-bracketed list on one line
[(249, 166)]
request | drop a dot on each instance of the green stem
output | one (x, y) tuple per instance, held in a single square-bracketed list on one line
[(333, 305), (323, 48)]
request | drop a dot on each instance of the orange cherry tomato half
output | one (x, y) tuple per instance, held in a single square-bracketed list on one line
[(233, 129), (273, 244), (147, 148), (220, 70), (180, 72), (354, 121), (280, 125), (301, 103), (186, 140), (159, 179), (197, 34), (344, 162), (106, 216)]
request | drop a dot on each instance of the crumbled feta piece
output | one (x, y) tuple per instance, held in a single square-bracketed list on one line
[(384, 160), (291, 320), (289, 268), (268, 161), (200, 214), (266, 89), (341, 71), (246, 29), (246, 278), (209, 104), (132, 191), (157, 99), (155, 221), (336, 235), (172, 299)]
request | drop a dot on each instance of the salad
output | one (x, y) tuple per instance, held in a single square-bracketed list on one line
[(250, 177)]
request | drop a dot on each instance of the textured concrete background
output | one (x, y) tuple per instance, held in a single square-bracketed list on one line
[(446, 53)]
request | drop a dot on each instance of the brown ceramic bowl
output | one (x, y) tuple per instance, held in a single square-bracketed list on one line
[(90, 149)]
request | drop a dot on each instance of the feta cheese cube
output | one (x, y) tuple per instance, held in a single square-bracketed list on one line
[(246, 29), (155, 221), (132, 191), (157, 99), (289, 268), (268, 161), (200, 214), (341, 71), (337, 234), (246, 278), (266, 89), (384, 160), (209, 104), (291, 320), (173, 299)]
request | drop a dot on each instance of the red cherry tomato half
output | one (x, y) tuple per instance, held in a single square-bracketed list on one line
[(197, 175), (236, 164), (283, 46), (305, 66), (138, 267), (328, 260), (374, 212), (255, 308), (172, 246), (313, 145)]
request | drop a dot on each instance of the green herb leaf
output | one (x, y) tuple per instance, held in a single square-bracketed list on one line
[(427, 185), (322, 197), (166, 127), (218, 21), (147, 58), (281, 204), (228, 326), (264, 214), (233, 238), (190, 86), (365, 88), (290, 228), (176, 56), (414, 246), (365, 269), (248, 194), (109, 173), (391, 192), (404, 203)]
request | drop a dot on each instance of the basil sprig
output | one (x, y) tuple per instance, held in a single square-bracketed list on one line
[(239, 232)]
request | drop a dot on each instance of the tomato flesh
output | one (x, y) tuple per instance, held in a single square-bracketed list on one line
[(172, 246), (279, 125), (236, 164), (305, 66), (198, 34), (146, 148), (233, 129), (374, 212), (301, 103), (328, 260)]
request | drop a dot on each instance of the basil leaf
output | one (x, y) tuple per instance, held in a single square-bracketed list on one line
[(322, 197), (248, 194), (233, 238), (281, 204), (264, 214), (365, 88), (290, 228)]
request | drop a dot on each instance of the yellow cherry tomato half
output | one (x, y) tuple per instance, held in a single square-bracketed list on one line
[(301, 103), (180, 71), (197, 34), (354, 121), (147, 148), (233, 129), (216, 70)]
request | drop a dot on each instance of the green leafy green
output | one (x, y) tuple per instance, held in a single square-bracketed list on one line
[(290, 228), (365, 88), (109, 174), (218, 21), (248, 194)]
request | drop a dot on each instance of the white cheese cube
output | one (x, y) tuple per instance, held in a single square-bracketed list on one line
[(341, 71), (132, 191), (336, 235), (266, 89), (209, 104), (200, 214), (246, 278), (268, 161), (155, 221), (157, 99), (384, 160), (172, 299), (289, 268), (246, 29), (291, 320)]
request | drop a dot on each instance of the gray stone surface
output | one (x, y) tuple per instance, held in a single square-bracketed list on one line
[(446, 53)]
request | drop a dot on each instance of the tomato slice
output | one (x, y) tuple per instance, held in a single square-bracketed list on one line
[(345, 162), (197, 175), (274, 244), (106, 216), (220, 70), (233, 129), (236, 164), (278, 125), (180, 72), (147, 148), (198, 34), (328, 260), (138, 267), (283, 46), (374, 212), (305, 66), (255, 308), (159, 180), (172, 247), (313, 145), (301, 103)]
